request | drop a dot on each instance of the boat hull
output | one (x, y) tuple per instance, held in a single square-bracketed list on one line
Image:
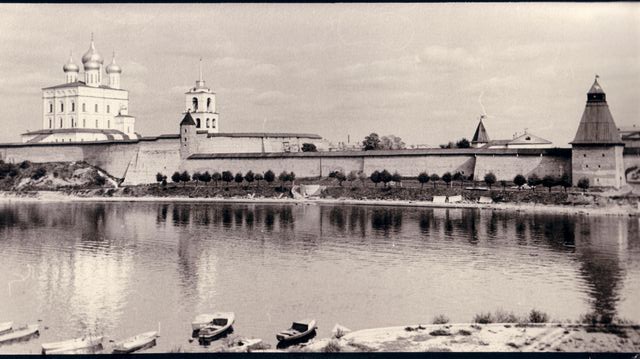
[(72, 346), (139, 342), (6, 327)]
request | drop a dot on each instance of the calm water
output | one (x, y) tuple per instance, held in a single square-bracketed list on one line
[(121, 268)]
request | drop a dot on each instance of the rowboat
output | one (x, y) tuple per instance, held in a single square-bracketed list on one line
[(5, 327), (299, 330), (201, 321), (140, 341), (219, 325), (19, 334), (73, 345)]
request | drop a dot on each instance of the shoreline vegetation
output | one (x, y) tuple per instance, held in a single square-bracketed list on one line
[(78, 181)]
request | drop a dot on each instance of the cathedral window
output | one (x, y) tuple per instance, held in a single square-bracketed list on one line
[(96, 108), (72, 123), (84, 107), (108, 109), (108, 124), (197, 123), (50, 108), (60, 123), (84, 122), (195, 104), (97, 124), (61, 107), (73, 107), (50, 123)]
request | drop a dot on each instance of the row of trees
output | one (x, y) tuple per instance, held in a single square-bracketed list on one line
[(226, 176), (374, 142)]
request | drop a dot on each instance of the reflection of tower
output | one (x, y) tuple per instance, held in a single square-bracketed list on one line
[(201, 102)]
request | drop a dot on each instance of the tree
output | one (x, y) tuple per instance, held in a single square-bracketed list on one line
[(216, 177), (463, 143), (371, 142), (363, 178), (423, 178), (227, 176), (434, 179), (533, 181), (386, 177), (269, 176), (490, 179), (375, 178), (259, 178), (391, 142), (352, 176), (549, 181), (239, 178), (396, 177), (175, 177), (292, 177), (249, 177), (519, 181), (583, 183), (196, 177), (447, 178), (184, 177), (283, 177), (340, 176), (205, 177), (565, 181), (309, 147), (160, 177), (503, 183), (458, 176)]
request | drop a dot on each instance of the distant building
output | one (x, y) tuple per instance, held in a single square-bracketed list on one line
[(525, 140), (597, 149), (87, 110), (201, 103), (630, 136)]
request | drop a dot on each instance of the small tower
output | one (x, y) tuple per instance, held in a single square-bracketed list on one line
[(597, 149), (71, 70), (92, 62), (201, 102), (188, 144), (480, 137), (114, 71)]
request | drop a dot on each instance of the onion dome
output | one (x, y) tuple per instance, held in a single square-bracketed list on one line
[(92, 54), (113, 68), (91, 65), (70, 66)]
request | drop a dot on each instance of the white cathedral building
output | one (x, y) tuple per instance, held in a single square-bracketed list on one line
[(89, 110)]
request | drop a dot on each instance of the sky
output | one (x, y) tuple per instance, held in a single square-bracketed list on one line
[(424, 72)]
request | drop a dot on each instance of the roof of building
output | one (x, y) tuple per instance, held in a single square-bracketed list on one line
[(265, 134), (597, 126), (481, 135), (79, 84), (188, 120), (74, 130), (528, 138)]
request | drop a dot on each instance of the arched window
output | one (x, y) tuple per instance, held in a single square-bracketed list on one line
[(72, 123), (97, 124), (61, 107), (197, 123), (195, 104), (84, 107), (108, 109), (96, 108), (207, 123), (208, 103), (50, 108), (50, 123), (108, 123), (84, 122), (213, 123), (60, 123), (73, 106)]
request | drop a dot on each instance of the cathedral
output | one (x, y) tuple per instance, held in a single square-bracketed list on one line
[(88, 110)]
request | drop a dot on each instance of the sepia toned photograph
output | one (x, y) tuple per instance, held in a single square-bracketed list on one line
[(302, 178)]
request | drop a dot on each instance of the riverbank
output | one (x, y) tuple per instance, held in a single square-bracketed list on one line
[(100, 196)]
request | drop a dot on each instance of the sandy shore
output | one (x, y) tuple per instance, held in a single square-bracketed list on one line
[(54, 196), (484, 338)]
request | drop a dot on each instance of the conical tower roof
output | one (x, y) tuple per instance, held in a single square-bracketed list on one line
[(597, 126), (188, 120), (481, 135)]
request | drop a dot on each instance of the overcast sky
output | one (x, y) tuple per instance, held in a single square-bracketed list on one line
[(424, 72)]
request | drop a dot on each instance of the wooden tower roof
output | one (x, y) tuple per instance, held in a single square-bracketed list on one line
[(481, 135), (597, 126)]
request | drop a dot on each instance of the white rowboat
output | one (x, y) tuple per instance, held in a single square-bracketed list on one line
[(19, 334), (140, 341), (219, 325), (70, 346), (5, 327), (298, 330)]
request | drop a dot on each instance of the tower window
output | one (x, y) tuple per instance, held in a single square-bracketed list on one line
[(213, 123), (197, 122), (195, 104), (207, 123), (587, 166), (208, 103), (72, 123), (584, 155)]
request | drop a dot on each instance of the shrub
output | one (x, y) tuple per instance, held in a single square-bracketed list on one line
[(440, 333), (196, 177), (565, 181), (375, 177), (440, 319), (13, 172), (309, 147), (363, 178), (519, 181), (283, 177), (292, 177), (458, 176), (423, 178), (269, 176), (39, 173), (447, 178), (175, 177), (583, 183), (332, 347), (483, 318), (502, 316), (160, 177), (490, 179), (434, 179), (352, 176), (537, 316), (503, 183)]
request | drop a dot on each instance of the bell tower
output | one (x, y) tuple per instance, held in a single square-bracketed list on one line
[(200, 101)]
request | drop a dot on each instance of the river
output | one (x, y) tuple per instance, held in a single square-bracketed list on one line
[(119, 269)]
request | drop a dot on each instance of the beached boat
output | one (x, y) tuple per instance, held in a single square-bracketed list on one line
[(19, 334), (140, 341), (201, 321), (5, 327), (245, 345), (219, 325), (72, 345), (299, 330)]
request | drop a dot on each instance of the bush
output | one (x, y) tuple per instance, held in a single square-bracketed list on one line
[(160, 177), (227, 176), (216, 176), (396, 177), (483, 318), (331, 347), (386, 177), (583, 184), (259, 177), (184, 177), (39, 173), (205, 177), (502, 316), (440, 333), (249, 177), (490, 179), (25, 164), (352, 176), (309, 147), (537, 316), (565, 181), (440, 319)]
